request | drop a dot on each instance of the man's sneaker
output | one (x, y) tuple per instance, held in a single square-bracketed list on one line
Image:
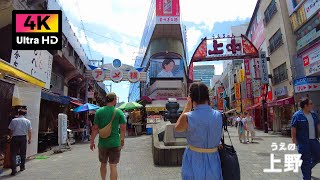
[(22, 169)]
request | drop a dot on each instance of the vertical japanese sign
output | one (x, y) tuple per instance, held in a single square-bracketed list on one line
[(168, 11), (37, 63), (249, 88), (263, 68), (247, 67), (241, 77), (220, 98), (237, 90)]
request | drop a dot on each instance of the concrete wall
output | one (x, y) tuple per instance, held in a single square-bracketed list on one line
[(285, 52)]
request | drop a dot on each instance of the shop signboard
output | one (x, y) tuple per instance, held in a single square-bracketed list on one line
[(308, 38), (220, 98), (166, 68), (37, 63), (313, 68), (241, 75), (311, 7), (237, 90), (298, 18), (282, 91), (249, 88), (307, 84), (311, 57), (247, 67), (168, 11), (256, 86), (263, 68)]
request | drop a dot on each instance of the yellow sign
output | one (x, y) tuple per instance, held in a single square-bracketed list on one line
[(241, 75), (238, 109), (298, 18)]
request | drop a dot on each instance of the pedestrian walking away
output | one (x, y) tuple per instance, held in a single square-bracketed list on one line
[(249, 124), (305, 128), (203, 127), (241, 129), (20, 129), (107, 121)]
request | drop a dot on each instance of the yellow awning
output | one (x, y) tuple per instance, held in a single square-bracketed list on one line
[(11, 70)]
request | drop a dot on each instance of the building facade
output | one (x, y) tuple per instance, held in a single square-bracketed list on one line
[(305, 22), (163, 55), (204, 73)]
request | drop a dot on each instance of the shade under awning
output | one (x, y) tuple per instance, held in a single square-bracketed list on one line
[(8, 68)]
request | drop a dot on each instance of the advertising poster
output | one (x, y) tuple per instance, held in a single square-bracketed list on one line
[(168, 11), (258, 35), (166, 68)]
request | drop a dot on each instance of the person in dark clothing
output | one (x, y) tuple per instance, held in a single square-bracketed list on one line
[(305, 128), (20, 128), (225, 121)]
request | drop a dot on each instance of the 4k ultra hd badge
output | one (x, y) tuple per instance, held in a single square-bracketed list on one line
[(37, 29)]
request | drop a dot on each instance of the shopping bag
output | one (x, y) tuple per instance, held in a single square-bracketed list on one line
[(229, 161)]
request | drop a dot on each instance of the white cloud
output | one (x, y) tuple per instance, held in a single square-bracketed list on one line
[(122, 16), (211, 11), (193, 36)]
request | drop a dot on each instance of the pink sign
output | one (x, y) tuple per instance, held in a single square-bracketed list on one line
[(167, 8), (258, 35), (249, 88)]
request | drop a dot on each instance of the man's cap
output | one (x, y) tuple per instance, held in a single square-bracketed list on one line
[(111, 95)]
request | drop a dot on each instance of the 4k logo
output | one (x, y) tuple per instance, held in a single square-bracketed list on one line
[(34, 29)]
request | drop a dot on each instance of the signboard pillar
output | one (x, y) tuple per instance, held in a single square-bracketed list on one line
[(62, 129), (264, 74)]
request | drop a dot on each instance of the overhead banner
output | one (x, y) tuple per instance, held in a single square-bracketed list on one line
[(37, 63), (249, 88), (168, 11)]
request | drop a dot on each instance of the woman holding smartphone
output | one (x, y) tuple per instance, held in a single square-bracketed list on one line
[(203, 127)]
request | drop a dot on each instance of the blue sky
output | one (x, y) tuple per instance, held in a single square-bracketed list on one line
[(114, 27)]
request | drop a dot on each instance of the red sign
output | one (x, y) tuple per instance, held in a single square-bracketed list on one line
[(249, 88), (167, 8), (306, 61), (237, 89), (247, 67), (220, 98)]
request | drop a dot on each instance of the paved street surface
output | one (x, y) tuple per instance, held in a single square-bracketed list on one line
[(137, 164)]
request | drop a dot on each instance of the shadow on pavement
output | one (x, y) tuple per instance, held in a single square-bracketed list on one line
[(8, 176), (315, 178)]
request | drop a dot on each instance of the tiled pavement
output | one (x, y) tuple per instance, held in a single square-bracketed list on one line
[(137, 164)]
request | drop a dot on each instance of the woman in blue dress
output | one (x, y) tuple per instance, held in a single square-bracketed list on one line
[(203, 127)]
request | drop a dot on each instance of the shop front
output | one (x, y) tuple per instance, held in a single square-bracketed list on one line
[(282, 111), (24, 91)]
